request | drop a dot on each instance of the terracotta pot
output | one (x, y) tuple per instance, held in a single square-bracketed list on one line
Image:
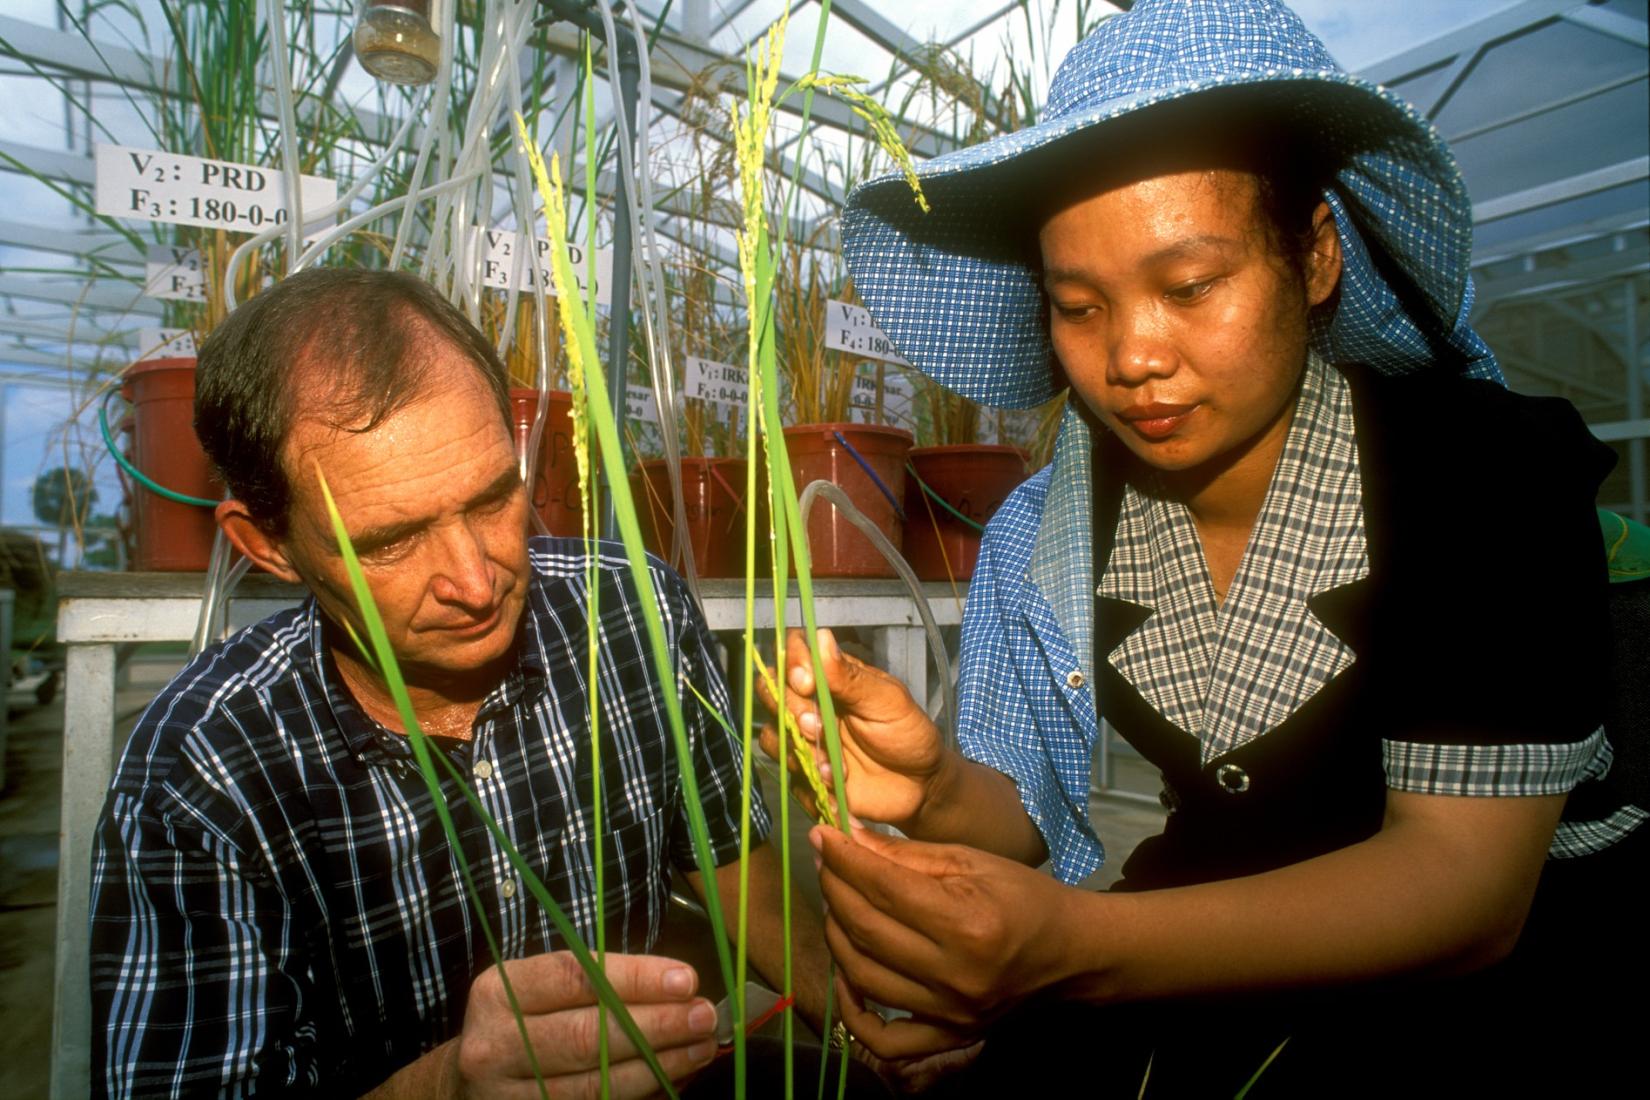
[(837, 547), (973, 478), (169, 536), (556, 484), (713, 491)]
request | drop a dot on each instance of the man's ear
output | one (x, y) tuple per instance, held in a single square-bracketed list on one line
[(1323, 264), (255, 544)]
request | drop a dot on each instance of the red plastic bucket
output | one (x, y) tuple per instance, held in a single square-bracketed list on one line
[(169, 536), (974, 479), (837, 547), (556, 484), (713, 491)]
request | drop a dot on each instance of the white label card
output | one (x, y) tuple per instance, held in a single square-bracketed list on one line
[(501, 256), (849, 328), (175, 274), (719, 383), (639, 404), (156, 186), (165, 343), (899, 398)]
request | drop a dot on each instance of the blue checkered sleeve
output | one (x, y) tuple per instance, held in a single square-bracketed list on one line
[(1012, 720)]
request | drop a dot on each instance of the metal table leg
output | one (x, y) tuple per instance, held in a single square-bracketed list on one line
[(88, 764)]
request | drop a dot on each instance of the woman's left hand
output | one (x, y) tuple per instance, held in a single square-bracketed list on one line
[(909, 1076), (952, 934)]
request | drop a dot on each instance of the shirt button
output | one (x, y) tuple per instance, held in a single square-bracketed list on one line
[(509, 888), (1074, 679), (1232, 779), (483, 769)]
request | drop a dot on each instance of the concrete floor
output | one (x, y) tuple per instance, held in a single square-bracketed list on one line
[(28, 898), (29, 812)]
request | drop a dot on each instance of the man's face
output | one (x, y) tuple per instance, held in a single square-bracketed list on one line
[(434, 504)]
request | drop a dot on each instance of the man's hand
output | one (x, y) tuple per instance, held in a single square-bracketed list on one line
[(954, 935), (893, 752), (559, 1006)]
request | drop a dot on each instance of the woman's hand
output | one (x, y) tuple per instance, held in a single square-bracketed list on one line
[(954, 935), (893, 753), (909, 1076)]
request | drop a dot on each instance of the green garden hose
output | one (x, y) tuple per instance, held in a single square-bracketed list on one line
[(132, 471), (941, 501)]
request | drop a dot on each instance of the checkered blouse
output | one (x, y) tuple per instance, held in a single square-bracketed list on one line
[(1225, 675)]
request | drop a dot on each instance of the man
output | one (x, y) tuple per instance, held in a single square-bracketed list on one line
[(276, 906)]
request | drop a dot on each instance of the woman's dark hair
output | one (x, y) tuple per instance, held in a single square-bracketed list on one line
[(1244, 132), (1287, 195), (349, 346), (1249, 130)]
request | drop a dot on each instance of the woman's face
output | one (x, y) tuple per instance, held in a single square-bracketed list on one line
[(1175, 316)]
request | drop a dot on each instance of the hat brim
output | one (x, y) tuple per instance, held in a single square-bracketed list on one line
[(956, 289)]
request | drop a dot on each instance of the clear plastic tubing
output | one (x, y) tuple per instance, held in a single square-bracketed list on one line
[(276, 12), (663, 373), (641, 237), (249, 245), (936, 643), (527, 263)]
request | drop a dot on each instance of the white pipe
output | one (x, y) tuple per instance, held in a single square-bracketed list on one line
[(527, 237), (433, 133), (290, 164), (660, 366)]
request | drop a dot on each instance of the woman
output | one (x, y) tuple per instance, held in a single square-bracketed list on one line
[(1297, 545)]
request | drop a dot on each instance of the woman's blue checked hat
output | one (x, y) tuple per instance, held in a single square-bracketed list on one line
[(956, 291)]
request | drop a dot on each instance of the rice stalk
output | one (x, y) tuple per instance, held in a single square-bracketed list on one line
[(1264, 1066), (787, 535), (587, 514), (821, 380), (760, 260), (390, 669), (876, 116), (750, 132), (798, 744), (952, 418), (584, 371)]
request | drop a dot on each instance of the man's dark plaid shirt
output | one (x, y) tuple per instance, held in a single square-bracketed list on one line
[(275, 906)]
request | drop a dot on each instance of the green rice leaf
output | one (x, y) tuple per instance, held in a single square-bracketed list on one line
[(1270, 1058), (580, 331), (361, 648), (427, 759)]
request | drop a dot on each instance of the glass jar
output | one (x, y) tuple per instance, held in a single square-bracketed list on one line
[(396, 41)]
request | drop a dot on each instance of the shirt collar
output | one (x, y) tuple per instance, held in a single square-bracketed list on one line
[(1228, 675), (365, 737), (1062, 560)]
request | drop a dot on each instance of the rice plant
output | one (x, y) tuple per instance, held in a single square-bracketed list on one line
[(381, 656), (787, 546), (422, 240)]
